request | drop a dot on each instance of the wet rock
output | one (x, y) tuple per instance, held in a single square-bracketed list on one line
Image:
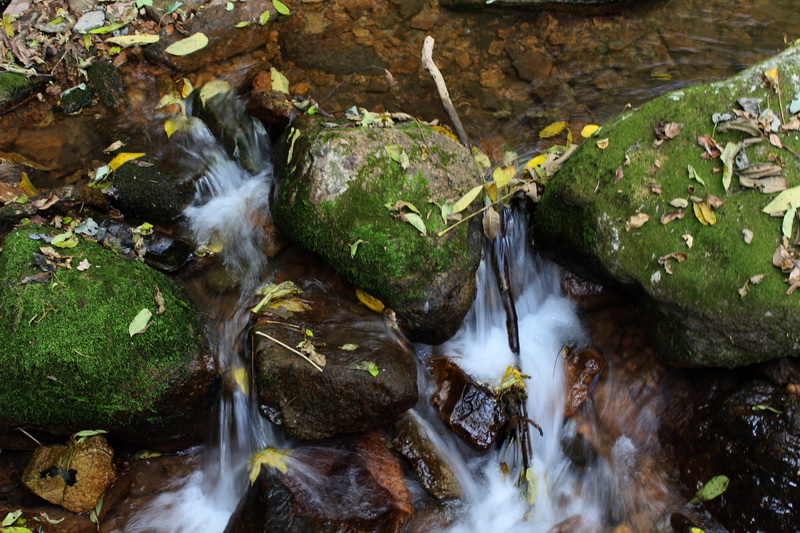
[(700, 317), (271, 107), (745, 427), (345, 397), (333, 192), (349, 484), (60, 200), (587, 295), (16, 87), (107, 83), (154, 189), (224, 39), (75, 98), (532, 65), (72, 476), (71, 362), (582, 366), (434, 474), (468, 408)]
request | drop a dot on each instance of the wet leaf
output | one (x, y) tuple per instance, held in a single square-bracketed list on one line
[(279, 81), (11, 517), (502, 176), (140, 322), (715, 486), (512, 379), (171, 125), (666, 218), (263, 18), (108, 29), (26, 185), (761, 407), (271, 457), (243, 23), (481, 159), (373, 369), (553, 129), (467, 199), (680, 257), (284, 295), (602, 143), (727, 157), (122, 158), (748, 236), (370, 301), (536, 161), (15, 529), (354, 247), (212, 89), (280, 7), (783, 201), (679, 202), (133, 40), (81, 436), (636, 221), (189, 45), (589, 130), (416, 221), (397, 154), (83, 265), (693, 175), (491, 222), (349, 347), (704, 213)]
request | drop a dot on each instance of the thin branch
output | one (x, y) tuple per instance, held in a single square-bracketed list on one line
[(301, 354), (479, 211), (444, 95), (30, 437)]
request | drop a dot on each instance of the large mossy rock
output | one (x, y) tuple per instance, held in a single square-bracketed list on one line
[(70, 362), (701, 317), (334, 187)]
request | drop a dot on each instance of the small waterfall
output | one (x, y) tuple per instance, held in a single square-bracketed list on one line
[(227, 214)]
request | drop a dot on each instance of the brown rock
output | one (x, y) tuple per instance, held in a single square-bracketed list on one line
[(582, 367), (588, 295), (72, 476), (492, 78), (468, 408), (533, 65)]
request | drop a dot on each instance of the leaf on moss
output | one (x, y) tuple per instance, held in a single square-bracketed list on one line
[(666, 218), (122, 158), (83, 265), (140, 322), (354, 247), (704, 213), (727, 157), (602, 143), (783, 201), (589, 130), (81, 436), (695, 176), (636, 221), (679, 202), (680, 257), (688, 239), (715, 486), (711, 147), (65, 240)]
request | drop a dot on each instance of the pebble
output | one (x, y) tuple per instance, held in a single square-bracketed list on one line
[(89, 21)]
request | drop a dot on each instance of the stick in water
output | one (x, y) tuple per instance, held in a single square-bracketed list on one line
[(444, 95)]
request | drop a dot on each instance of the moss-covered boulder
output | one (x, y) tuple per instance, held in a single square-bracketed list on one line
[(70, 362), (343, 196), (14, 87), (708, 311)]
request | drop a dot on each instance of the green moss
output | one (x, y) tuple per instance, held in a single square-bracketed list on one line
[(67, 355), (14, 87)]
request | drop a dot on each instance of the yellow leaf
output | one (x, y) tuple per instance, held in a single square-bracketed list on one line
[(187, 46), (553, 129), (491, 192), (240, 377), (279, 81), (772, 75), (212, 89), (481, 159), (171, 125), (589, 130), (9, 29), (272, 457), (26, 185), (536, 161), (703, 212), (122, 158), (186, 87), (512, 379), (602, 143), (133, 40), (502, 176), (783, 201), (467, 199), (370, 301)]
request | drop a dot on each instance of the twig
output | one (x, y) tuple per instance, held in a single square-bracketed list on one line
[(444, 95), (30, 437), (479, 211), (301, 354), (502, 274)]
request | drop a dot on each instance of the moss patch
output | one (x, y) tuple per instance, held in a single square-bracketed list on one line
[(67, 355), (704, 319)]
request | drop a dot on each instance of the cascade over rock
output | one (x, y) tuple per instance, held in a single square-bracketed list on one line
[(707, 311), (342, 196), (70, 361)]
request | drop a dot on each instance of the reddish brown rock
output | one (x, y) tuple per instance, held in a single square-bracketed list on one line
[(582, 367)]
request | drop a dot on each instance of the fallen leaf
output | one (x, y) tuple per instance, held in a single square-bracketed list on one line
[(688, 239), (679, 202), (666, 218), (636, 221), (491, 222), (140, 322), (349, 347), (189, 45), (502, 176), (655, 188), (83, 265), (704, 213), (122, 158), (680, 257), (159, 299), (788, 221), (536, 161), (116, 145), (693, 175), (775, 141), (280, 7), (263, 18), (212, 89), (748, 236), (279, 81), (672, 129), (354, 247), (467, 199), (370, 301), (727, 157), (711, 147), (65, 240), (373, 369), (481, 159), (133, 40), (553, 129), (744, 290), (589, 130), (783, 201), (272, 457), (416, 221), (284, 295), (619, 174), (714, 201), (715, 486), (602, 143), (772, 75)]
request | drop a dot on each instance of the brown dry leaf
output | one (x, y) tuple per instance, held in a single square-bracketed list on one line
[(656, 167), (159, 298), (775, 141), (793, 388), (666, 218), (744, 290), (703, 212), (619, 174), (680, 257), (491, 221), (714, 201), (679, 202), (602, 143), (689, 239), (758, 278), (748, 236), (766, 185), (45, 203), (636, 221), (672, 129), (711, 147), (655, 188)]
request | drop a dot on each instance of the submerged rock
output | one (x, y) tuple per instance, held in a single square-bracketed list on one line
[(582, 366), (696, 275), (368, 377), (339, 187), (71, 361), (349, 484), (72, 476)]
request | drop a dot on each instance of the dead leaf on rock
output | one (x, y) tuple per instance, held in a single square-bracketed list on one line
[(636, 221), (666, 218), (491, 221), (655, 188), (680, 257)]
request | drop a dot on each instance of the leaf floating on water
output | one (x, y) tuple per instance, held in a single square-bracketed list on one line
[(589, 130), (715, 486), (279, 81), (285, 295), (273, 458), (189, 45), (636, 221), (553, 129), (704, 213), (122, 158), (370, 301), (140, 322), (349, 347)]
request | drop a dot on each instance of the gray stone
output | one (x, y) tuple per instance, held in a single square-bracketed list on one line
[(89, 21)]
